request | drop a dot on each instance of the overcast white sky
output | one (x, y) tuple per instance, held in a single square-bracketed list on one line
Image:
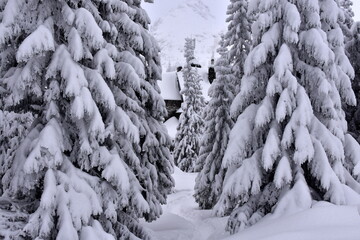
[(173, 22), (160, 7)]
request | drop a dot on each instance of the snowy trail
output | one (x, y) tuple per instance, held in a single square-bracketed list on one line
[(182, 218)]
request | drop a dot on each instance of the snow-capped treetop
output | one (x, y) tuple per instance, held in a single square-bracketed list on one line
[(238, 37)]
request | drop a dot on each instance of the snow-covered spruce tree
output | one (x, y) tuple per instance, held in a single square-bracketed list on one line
[(332, 24), (290, 145), (156, 161), (13, 129), (353, 50), (96, 157), (348, 17), (187, 140), (218, 124), (238, 37)]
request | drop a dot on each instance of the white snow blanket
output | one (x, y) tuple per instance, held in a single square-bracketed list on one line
[(183, 220)]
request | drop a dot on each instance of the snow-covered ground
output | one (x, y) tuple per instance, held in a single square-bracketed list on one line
[(323, 221), (183, 220)]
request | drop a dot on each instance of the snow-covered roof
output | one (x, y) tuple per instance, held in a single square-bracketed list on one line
[(173, 82), (205, 85), (181, 79), (169, 86), (195, 63), (171, 125)]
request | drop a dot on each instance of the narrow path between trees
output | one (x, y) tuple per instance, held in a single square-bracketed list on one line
[(182, 219)]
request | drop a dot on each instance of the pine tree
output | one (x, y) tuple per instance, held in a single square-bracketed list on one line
[(218, 124), (238, 37), (187, 140), (353, 50), (13, 129), (96, 156), (290, 144), (331, 25), (346, 6)]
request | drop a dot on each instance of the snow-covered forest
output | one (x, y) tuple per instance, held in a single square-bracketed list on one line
[(111, 130)]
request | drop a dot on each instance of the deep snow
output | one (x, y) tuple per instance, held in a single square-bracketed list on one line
[(182, 220)]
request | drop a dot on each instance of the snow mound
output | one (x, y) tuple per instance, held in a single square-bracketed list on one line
[(170, 222), (183, 180), (323, 221)]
